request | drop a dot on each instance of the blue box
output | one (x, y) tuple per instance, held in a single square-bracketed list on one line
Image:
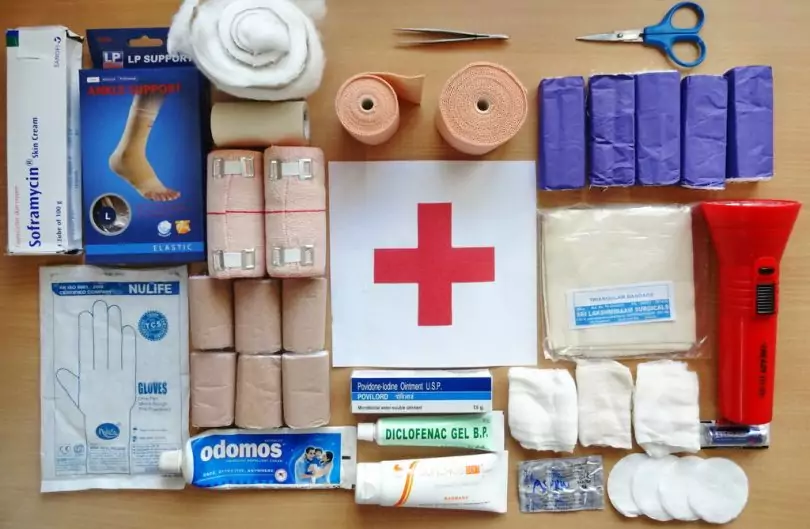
[(143, 113)]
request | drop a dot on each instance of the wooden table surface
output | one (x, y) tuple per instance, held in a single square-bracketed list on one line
[(357, 38)]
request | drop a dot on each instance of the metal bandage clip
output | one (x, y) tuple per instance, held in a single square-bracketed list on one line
[(244, 260), (303, 255), (242, 166), (301, 168)]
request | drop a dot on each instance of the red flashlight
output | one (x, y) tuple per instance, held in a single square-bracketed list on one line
[(749, 237)]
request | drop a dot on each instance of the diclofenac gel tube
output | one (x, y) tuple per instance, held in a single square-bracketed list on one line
[(476, 432), (473, 483)]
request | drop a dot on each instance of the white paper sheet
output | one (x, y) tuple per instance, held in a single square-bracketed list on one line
[(492, 320)]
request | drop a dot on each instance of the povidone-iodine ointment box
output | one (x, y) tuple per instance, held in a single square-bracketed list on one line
[(423, 391), (42, 130), (143, 113)]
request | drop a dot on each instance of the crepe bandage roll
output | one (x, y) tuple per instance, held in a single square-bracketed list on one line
[(235, 216), (481, 107), (210, 312), (257, 313), (258, 391), (295, 211), (213, 388), (367, 104), (255, 124), (304, 314), (306, 389)]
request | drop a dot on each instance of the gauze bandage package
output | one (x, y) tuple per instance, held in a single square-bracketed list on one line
[(619, 281), (114, 376), (143, 117)]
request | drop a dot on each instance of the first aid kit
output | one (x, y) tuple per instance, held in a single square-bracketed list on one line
[(428, 272), (114, 376)]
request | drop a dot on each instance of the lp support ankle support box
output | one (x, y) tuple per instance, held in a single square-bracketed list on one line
[(143, 113), (44, 193)]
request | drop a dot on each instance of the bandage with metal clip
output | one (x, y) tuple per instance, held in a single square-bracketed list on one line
[(242, 166), (244, 260), (303, 255), (301, 168)]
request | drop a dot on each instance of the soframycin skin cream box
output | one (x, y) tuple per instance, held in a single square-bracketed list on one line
[(43, 168), (428, 391)]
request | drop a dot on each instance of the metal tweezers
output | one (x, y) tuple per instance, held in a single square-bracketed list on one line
[(456, 36)]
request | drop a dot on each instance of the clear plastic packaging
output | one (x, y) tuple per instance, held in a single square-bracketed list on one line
[(624, 281), (561, 485)]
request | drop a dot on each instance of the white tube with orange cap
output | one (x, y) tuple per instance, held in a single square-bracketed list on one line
[(471, 483)]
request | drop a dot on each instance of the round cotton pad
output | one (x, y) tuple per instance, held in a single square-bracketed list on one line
[(619, 484), (645, 487), (719, 490), (674, 487)]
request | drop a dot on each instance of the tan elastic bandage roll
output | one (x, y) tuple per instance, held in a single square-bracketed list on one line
[(367, 104), (210, 303), (258, 124), (213, 388), (235, 214), (257, 313), (303, 303), (481, 107), (295, 211), (258, 391), (306, 389)]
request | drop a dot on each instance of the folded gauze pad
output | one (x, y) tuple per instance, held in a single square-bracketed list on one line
[(305, 383), (666, 412), (295, 211), (618, 281), (213, 388), (543, 408), (605, 392), (258, 391), (210, 312)]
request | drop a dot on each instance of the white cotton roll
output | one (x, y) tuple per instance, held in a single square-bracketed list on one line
[(645, 487), (267, 50), (719, 490), (674, 487), (619, 484)]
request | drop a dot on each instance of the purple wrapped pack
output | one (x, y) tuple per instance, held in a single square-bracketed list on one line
[(750, 124), (612, 141), (561, 102), (658, 128), (704, 113)]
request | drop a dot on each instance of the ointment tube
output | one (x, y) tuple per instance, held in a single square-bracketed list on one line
[(476, 432), (473, 483)]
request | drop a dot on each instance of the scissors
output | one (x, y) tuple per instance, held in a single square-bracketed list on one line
[(453, 36), (663, 35)]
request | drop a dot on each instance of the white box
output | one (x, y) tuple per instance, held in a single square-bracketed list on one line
[(421, 391), (44, 179)]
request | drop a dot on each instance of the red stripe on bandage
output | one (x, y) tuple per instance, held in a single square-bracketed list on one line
[(276, 211)]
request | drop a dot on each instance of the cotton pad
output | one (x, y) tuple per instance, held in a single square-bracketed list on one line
[(673, 489), (719, 490), (645, 487), (620, 482)]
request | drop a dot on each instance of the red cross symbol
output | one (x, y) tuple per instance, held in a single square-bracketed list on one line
[(434, 265)]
